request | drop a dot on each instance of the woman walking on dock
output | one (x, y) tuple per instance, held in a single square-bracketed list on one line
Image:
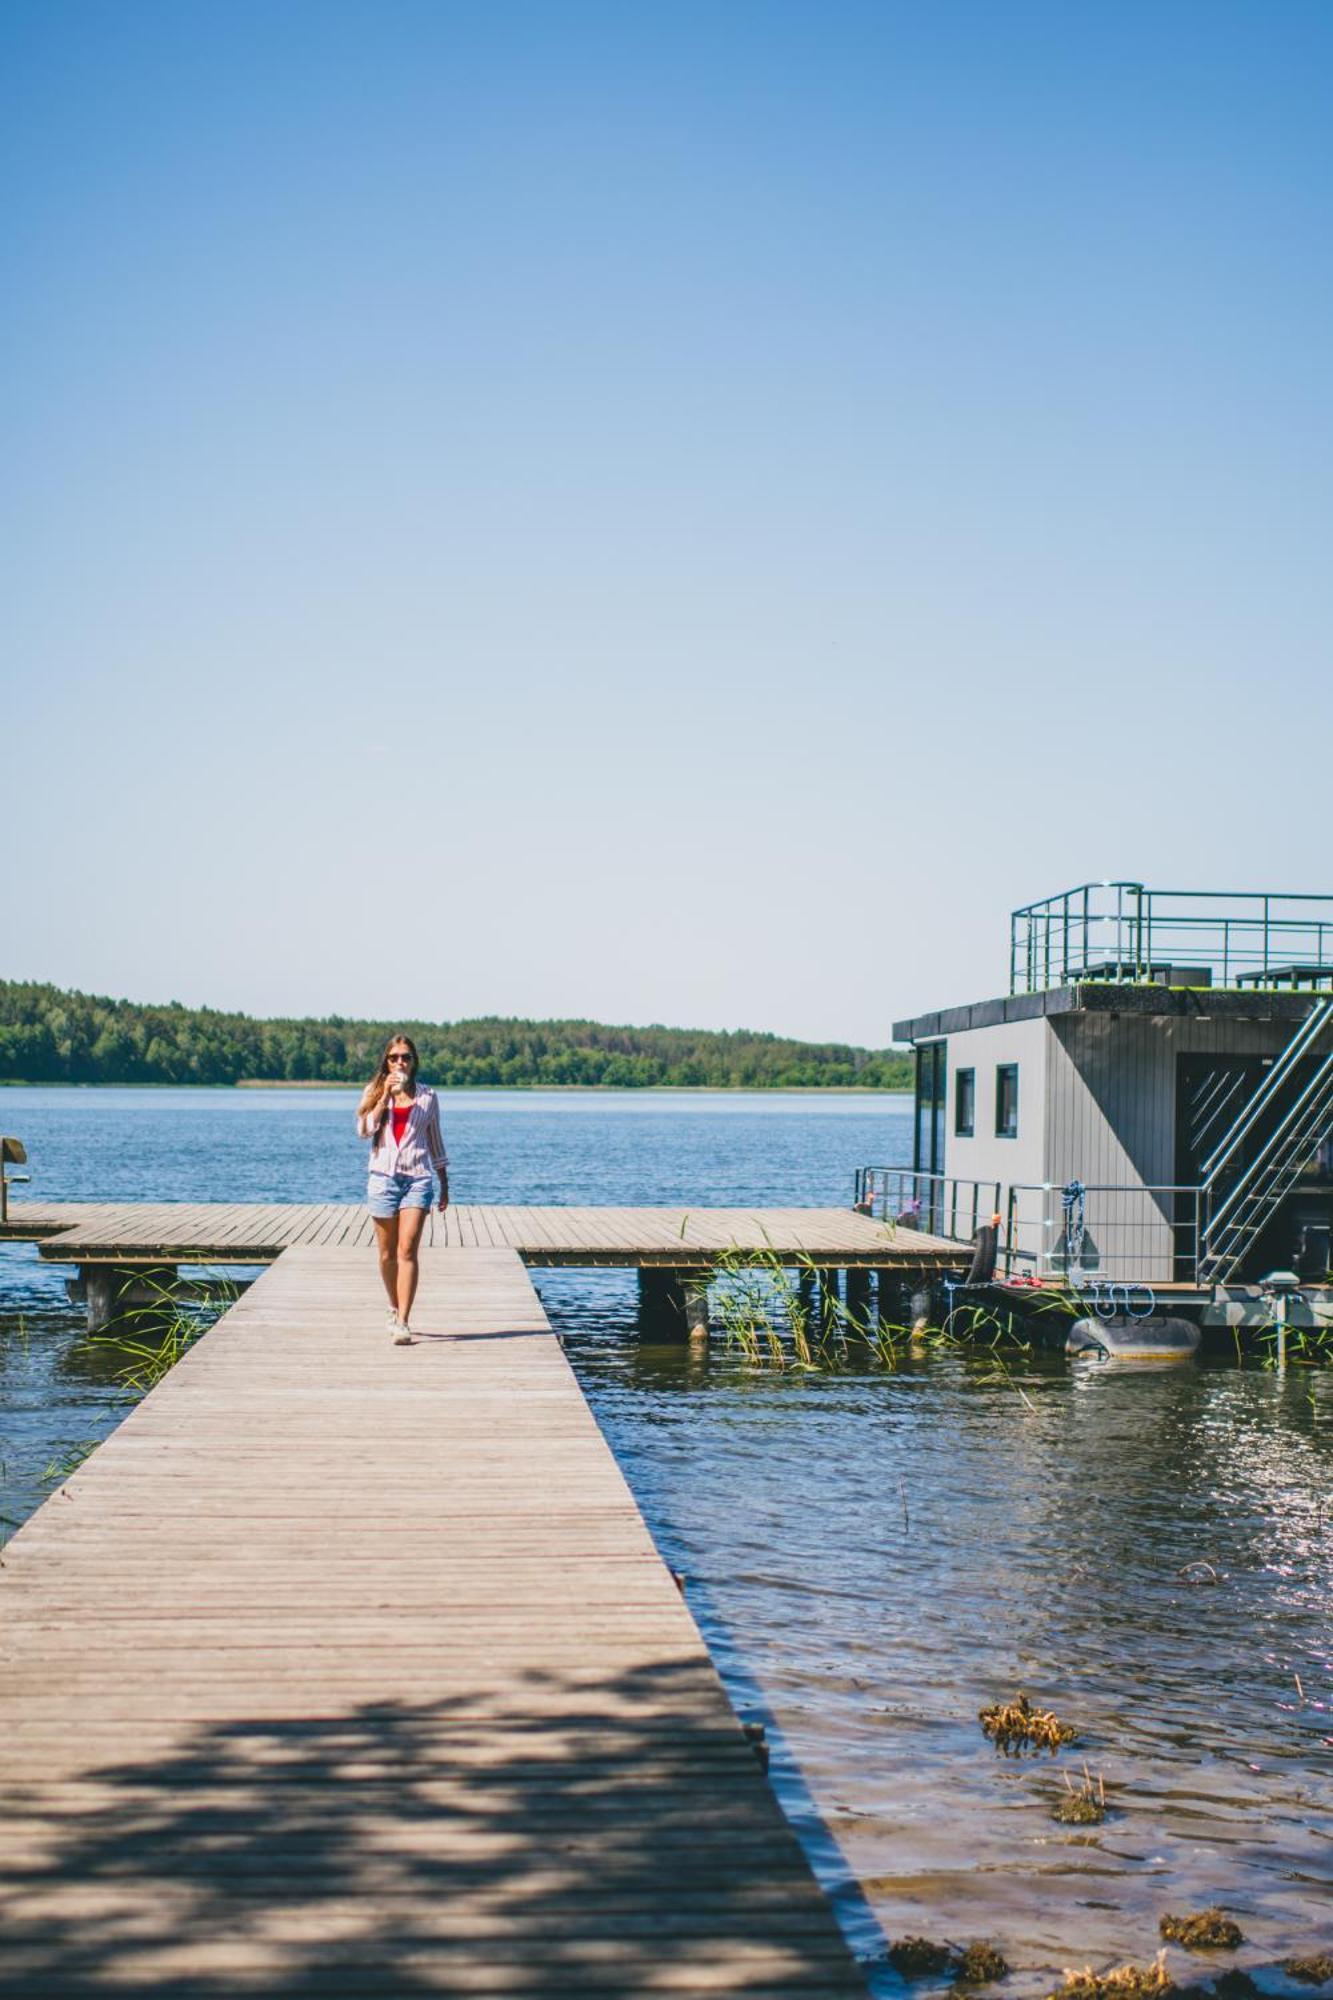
[(401, 1118)]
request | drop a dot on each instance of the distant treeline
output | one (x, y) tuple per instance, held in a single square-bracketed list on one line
[(50, 1036)]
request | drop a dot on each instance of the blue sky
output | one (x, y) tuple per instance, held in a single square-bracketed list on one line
[(676, 513)]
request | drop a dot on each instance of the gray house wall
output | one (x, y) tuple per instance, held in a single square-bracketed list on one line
[(1111, 1090), (1097, 1103)]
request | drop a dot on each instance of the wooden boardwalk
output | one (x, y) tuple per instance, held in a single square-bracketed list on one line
[(349, 1669), (214, 1233)]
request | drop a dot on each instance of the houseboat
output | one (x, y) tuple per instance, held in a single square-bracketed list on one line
[(1144, 1121)]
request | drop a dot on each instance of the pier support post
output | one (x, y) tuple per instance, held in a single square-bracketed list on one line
[(673, 1304), (895, 1309), (922, 1306), (112, 1290), (858, 1293)]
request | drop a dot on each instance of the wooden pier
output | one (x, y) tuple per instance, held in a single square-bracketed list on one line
[(217, 1233), (673, 1249), (349, 1669)]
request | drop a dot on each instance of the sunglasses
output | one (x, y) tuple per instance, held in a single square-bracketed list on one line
[(399, 1062)]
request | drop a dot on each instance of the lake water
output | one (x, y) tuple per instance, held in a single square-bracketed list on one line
[(871, 1555)]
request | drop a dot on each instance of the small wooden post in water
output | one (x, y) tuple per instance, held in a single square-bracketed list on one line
[(694, 1300), (12, 1154), (858, 1293), (110, 1291), (673, 1304)]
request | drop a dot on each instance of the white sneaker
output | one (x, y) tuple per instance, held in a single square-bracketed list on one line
[(402, 1335)]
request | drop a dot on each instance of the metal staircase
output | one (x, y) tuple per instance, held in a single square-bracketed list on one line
[(1240, 1197)]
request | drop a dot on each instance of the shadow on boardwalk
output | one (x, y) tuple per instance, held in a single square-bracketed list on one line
[(604, 1840)]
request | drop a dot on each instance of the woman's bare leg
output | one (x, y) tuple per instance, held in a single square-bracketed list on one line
[(386, 1236), (411, 1222)]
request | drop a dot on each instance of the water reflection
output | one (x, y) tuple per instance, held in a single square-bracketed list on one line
[(874, 1556)]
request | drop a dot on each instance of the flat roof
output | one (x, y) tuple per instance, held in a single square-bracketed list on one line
[(1103, 997)]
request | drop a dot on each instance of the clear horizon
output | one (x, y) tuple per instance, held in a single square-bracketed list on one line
[(671, 515)]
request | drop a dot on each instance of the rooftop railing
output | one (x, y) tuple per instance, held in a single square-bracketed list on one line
[(1127, 934)]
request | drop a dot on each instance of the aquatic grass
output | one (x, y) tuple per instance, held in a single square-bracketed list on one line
[(1306, 1346), (1082, 1805), (59, 1469), (149, 1337), (1015, 1726), (785, 1314)]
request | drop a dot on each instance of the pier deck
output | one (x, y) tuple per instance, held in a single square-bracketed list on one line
[(219, 1233), (349, 1669)]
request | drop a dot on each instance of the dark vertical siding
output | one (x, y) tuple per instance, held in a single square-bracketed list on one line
[(1111, 1114)]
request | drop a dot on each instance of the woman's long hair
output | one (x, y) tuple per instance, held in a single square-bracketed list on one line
[(372, 1089)]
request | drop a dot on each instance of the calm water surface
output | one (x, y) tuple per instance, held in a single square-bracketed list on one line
[(871, 1556)]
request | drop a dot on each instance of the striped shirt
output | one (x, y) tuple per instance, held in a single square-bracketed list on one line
[(421, 1146)]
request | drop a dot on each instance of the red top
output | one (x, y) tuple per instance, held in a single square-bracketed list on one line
[(400, 1116)]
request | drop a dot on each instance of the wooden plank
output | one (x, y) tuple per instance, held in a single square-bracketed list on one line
[(349, 1668)]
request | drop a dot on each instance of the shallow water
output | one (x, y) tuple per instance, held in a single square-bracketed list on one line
[(872, 1556)]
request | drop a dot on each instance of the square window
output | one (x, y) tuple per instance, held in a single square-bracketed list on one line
[(1006, 1101), (965, 1103)]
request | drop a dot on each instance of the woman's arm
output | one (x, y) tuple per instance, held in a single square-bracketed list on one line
[(439, 1159), (370, 1110)]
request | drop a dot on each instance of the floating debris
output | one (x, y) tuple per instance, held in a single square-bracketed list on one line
[(978, 1964), (1085, 1804), (1313, 1971), (1126, 1982), (913, 1955), (1208, 1930), (1014, 1726)]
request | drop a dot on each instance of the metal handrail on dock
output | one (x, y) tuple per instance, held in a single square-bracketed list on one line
[(1115, 1230), (945, 1205)]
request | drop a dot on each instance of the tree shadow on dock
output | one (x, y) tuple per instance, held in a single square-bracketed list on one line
[(610, 1834)]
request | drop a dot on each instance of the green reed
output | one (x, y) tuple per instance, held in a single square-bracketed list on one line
[(776, 1312), (147, 1338)]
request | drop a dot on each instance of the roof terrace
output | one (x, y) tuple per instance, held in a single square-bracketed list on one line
[(1125, 934)]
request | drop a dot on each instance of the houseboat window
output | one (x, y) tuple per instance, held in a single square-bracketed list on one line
[(930, 1107), (965, 1103), (1006, 1101)]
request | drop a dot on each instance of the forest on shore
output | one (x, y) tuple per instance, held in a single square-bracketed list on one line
[(48, 1035)]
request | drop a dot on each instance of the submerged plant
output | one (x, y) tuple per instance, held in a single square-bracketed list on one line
[(969, 1965), (1125, 1982), (979, 1964), (915, 1955), (1085, 1804), (1207, 1930), (1317, 1970), (1015, 1726)]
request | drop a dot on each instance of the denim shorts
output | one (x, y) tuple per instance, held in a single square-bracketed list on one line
[(387, 1193)]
